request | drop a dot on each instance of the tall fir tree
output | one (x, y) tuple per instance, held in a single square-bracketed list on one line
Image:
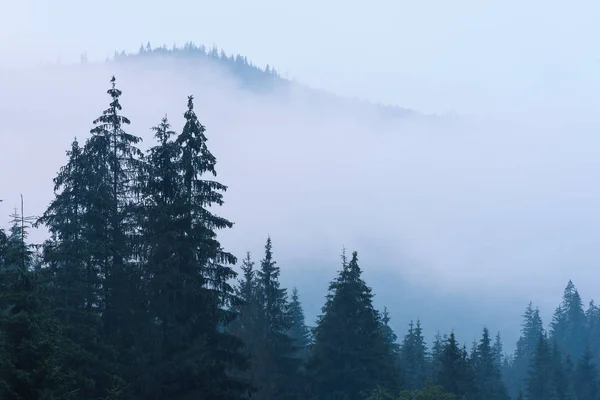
[(413, 354), (278, 363), (497, 350), (350, 356), (540, 383), (113, 166), (585, 378), (298, 331), (592, 315), (455, 374), (250, 321), (190, 298), (159, 217), (435, 357), (568, 327), (488, 381), (32, 366), (72, 268), (532, 329), (389, 334)]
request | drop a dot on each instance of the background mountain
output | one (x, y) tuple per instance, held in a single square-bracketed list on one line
[(258, 80)]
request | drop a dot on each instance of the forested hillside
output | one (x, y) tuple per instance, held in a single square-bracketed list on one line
[(133, 297), (258, 80)]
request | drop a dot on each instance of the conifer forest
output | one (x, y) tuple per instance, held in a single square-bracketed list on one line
[(132, 296)]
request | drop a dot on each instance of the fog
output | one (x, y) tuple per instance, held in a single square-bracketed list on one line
[(492, 212)]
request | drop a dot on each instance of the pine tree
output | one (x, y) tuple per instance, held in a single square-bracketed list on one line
[(159, 217), (488, 382), (278, 361), (568, 327), (250, 322), (455, 374), (412, 357), (435, 358), (191, 299), (74, 274), (113, 166), (31, 366), (350, 355), (531, 330), (541, 383), (298, 331), (592, 315), (498, 352), (585, 382), (390, 335)]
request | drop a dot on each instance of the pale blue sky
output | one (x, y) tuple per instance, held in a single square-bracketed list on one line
[(471, 56)]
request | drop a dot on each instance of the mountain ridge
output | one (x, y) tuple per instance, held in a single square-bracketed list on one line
[(259, 80)]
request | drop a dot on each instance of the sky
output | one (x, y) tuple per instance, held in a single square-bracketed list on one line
[(485, 206), (467, 56)]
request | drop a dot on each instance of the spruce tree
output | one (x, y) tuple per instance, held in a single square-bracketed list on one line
[(250, 321), (592, 315), (413, 353), (455, 374), (191, 300), (278, 363), (32, 366), (159, 218), (113, 168), (350, 356), (568, 327), (585, 378), (435, 358), (531, 330), (74, 274), (298, 331), (498, 352), (541, 383), (488, 382)]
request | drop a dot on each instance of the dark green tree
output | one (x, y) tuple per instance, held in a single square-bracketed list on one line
[(541, 384), (350, 357), (278, 362), (298, 331), (413, 354), (73, 273), (190, 298), (497, 349), (159, 215), (31, 366), (488, 382), (585, 380), (435, 357), (592, 315), (455, 374), (568, 327), (250, 322), (532, 329), (113, 169)]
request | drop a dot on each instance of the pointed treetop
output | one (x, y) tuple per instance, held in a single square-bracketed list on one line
[(163, 131), (386, 316), (344, 258), (295, 296)]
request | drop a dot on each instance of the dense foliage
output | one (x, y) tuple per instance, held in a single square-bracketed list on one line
[(133, 297)]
